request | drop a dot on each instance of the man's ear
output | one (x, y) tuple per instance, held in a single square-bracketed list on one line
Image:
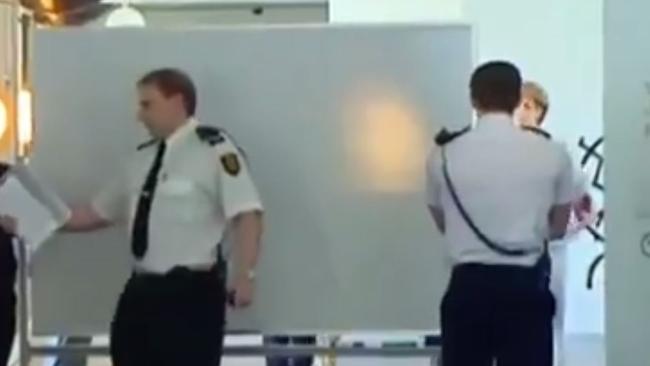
[(540, 120), (475, 104), (178, 100)]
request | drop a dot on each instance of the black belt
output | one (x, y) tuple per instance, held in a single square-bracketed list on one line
[(219, 268), (535, 276), (182, 273)]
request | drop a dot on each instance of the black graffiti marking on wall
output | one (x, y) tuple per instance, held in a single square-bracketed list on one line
[(592, 152), (596, 229), (600, 258), (645, 245)]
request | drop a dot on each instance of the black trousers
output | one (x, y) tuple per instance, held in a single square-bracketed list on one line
[(8, 267), (172, 320), (499, 314), (286, 340)]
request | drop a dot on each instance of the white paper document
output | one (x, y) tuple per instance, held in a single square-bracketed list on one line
[(39, 212), (42, 193)]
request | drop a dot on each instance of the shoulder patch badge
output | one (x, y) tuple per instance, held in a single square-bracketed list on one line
[(230, 163)]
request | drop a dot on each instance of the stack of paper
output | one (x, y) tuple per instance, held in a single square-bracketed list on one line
[(38, 211)]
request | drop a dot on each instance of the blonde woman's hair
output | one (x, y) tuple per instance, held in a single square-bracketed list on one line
[(535, 92)]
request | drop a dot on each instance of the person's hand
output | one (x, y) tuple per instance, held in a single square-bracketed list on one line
[(8, 224), (243, 291), (583, 208)]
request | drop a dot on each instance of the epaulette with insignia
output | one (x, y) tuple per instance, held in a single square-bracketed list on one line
[(147, 144), (210, 135), (444, 137), (538, 131)]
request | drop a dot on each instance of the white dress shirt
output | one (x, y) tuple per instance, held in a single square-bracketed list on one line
[(508, 180), (201, 187)]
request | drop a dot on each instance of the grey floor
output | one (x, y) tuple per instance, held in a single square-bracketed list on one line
[(586, 351), (583, 350), (580, 351)]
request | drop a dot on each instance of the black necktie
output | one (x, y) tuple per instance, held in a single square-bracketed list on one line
[(140, 233)]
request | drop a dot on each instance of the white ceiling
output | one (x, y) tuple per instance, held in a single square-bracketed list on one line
[(224, 2)]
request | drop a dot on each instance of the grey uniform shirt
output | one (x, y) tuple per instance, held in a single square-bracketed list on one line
[(201, 187), (508, 180)]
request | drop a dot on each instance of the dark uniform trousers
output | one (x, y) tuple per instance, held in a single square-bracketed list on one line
[(175, 319), (497, 313), (8, 268)]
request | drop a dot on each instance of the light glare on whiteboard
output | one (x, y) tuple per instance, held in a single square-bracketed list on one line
[(388, 142)]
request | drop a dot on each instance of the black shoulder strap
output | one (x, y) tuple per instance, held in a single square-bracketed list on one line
[(443, 140), (210, 135), (444, 137), (538, 131)]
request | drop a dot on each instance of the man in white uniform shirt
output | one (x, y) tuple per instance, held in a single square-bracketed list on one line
[(177, 196), (497, 194)]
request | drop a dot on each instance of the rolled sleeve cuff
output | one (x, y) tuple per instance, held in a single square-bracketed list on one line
[(236, 210)]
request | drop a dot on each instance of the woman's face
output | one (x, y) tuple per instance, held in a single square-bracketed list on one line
[(528, 113)]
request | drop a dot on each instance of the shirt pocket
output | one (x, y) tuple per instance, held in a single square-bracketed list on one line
[(177, 188), (180, 199)]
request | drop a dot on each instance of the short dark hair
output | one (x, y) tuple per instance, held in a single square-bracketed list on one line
[(173, 82), (496, 86)]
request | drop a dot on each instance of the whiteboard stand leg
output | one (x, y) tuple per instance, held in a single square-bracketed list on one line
[(74, 359), (330, 357), (23, 306)]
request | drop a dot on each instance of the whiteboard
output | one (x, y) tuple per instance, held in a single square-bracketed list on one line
[(336, 122)]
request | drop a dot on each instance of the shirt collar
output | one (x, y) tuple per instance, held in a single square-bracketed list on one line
[(182, 131), (496, 120)]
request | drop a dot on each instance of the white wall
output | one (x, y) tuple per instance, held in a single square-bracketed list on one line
[(374, 11), (627, 125), (193, 15), (198, 13)]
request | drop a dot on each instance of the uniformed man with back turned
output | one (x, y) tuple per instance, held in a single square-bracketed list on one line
[(498, 194), (178, 195)]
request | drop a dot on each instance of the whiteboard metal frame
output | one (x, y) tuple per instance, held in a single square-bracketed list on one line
[(28, 350)]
